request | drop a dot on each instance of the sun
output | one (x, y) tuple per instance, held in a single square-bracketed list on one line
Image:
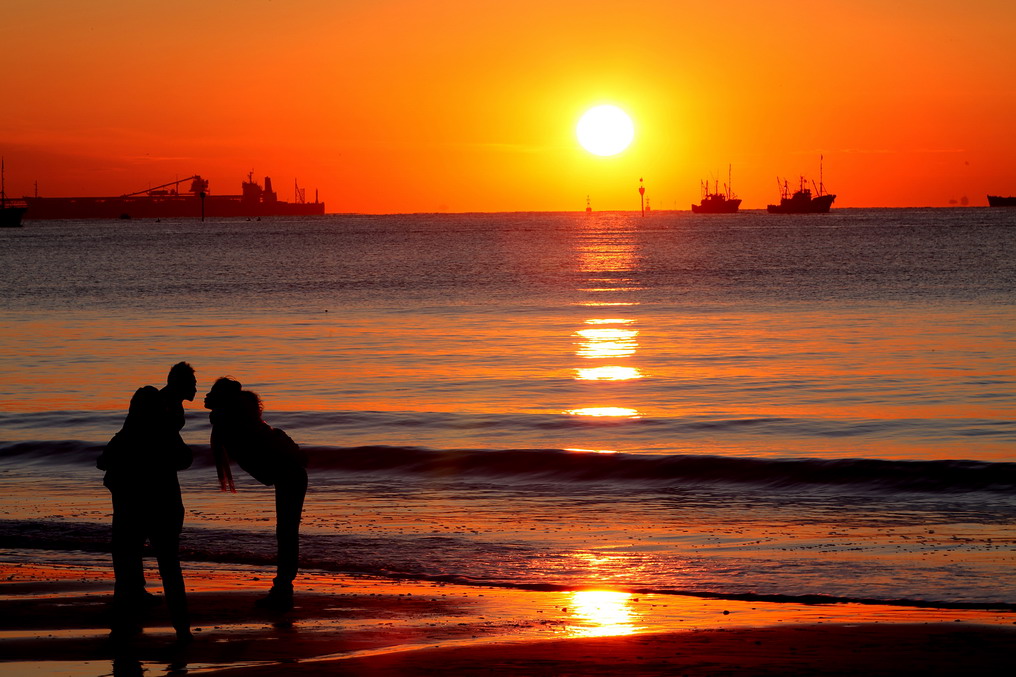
[(605, 130)]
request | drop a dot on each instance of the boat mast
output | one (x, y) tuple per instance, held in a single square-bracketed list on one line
[(821, 186)]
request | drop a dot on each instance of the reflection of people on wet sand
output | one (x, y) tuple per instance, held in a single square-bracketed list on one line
[(271, 457), (141, 462)]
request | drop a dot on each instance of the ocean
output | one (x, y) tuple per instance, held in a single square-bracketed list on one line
[(735, 406)]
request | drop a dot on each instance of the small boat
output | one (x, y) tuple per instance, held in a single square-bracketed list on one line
[(999, 201), (717, 202), (802, 201), (10, 214)]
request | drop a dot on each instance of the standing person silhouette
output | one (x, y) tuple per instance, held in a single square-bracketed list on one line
[(141, 463), (271, 457)]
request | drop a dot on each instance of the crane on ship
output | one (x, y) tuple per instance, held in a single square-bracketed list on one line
[(198, 185)]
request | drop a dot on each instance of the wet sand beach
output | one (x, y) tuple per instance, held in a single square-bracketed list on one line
[(53, 620)]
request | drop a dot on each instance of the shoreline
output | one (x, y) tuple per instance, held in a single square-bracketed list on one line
[(53, 620)]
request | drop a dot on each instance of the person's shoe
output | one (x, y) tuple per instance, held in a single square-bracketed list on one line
[(138, 601), (148, 600), (125, 630), (277, 599)]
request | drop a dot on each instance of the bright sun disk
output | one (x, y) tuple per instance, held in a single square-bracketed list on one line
[(605, 130)]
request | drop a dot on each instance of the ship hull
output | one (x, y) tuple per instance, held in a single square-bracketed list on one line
[(717, 206), (999, 201), (803, 205), (163, 207), (10, 217)]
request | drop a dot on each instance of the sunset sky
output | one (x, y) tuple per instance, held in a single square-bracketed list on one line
[(471, 105)]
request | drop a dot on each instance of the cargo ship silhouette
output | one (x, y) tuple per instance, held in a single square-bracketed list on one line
[(166, 201)]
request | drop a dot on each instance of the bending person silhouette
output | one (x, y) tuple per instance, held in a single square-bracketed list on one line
[(141, 463), (271, 457)]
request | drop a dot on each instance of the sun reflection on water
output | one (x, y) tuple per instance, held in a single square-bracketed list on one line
[(608, 374), (607, 338), (610, 264), (605, 342), (609, 320), (601, 613), (621, 412), (604, 339)]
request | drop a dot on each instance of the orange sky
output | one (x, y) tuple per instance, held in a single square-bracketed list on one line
[(470, 105)]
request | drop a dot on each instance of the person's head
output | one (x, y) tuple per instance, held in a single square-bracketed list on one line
[(224, 390), (145, 407), (182, 382), (249, 405)]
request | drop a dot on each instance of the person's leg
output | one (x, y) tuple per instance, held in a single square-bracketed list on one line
[(127, 544), (289, 497), (165, 539), (290, 492)]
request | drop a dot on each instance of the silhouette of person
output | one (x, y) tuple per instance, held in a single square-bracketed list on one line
[(141, 464), (271, 457)]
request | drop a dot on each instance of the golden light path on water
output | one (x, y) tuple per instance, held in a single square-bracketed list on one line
[(607, 338), (605, 304), (607, 342), (602, 613), (622, 412), (608, 374), (612, 339)]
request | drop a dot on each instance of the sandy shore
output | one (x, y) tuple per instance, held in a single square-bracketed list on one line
[(54, 620)]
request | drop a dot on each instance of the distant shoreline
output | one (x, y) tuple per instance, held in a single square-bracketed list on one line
[(632, 212)]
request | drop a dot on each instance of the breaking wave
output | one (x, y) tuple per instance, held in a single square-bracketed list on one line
[(566, 466)]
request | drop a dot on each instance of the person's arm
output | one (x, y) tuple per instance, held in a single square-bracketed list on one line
[(182, 454), (110, 453)]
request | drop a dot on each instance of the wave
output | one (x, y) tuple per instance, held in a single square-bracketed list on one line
[(404, 558), (564, 465), (569, 466)]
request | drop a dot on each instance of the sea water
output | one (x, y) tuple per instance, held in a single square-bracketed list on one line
[(728, 405)]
